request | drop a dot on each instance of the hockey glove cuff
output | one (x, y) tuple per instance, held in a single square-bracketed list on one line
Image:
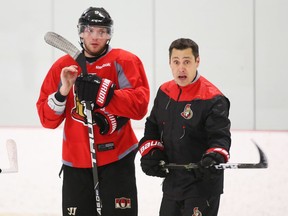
[(108, 123), (56, 105), (152, 153)]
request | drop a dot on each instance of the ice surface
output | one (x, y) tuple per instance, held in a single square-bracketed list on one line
[(36, 188)]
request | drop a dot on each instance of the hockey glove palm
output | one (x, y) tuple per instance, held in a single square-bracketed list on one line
[(92, 88)]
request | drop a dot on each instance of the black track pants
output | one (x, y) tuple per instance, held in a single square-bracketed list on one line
[(190, 207), (118, 190)]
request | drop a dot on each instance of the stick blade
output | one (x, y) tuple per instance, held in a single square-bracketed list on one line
[(263, 163), (12, 157), (66, 46), (62, 43)]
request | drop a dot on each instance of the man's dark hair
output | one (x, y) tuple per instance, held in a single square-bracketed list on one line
[(184, 43)]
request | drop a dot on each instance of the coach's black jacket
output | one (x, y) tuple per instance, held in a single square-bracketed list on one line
[(189, 120)]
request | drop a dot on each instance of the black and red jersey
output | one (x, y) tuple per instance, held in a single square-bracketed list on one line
[(189, 120), (130, 100)]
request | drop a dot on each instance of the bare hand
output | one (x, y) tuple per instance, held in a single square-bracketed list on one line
[(68, 77)]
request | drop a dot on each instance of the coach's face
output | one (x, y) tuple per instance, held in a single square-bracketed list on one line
[(184, 66)]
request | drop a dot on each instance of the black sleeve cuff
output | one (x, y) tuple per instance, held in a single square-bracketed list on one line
[(60, 97)]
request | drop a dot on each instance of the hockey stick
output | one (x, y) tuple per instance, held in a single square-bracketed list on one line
[(63, 44), (263, 163), (12, 157)]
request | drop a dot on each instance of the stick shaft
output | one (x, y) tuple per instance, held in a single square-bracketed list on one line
[(219, 166), (93, 156), (263, 163)]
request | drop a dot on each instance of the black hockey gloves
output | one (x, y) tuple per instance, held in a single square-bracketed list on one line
[(152, 153), (108, 123), (150, 163), (207, 169), (92, 88)]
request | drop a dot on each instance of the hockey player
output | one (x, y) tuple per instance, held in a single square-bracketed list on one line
[(117, 85), (187, 124)]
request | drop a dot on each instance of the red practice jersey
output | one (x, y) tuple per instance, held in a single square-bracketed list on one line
[(130, 100)]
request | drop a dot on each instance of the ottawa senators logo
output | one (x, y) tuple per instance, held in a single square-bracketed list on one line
[(196, 212), (78, 112), (187, 112), (122, 203)]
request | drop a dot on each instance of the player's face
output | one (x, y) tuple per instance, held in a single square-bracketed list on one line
[(184, 66), (94, 38)]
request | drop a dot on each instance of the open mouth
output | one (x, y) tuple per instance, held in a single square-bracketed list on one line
[(182, 77)]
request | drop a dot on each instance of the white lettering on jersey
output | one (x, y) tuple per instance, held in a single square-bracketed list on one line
[(72, 210), (104, 65)]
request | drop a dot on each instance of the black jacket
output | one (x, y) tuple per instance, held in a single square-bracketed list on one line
[(189, 120)]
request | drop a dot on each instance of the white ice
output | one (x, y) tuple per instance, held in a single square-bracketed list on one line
[(36, 188)]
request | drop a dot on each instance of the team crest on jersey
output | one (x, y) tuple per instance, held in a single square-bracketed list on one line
[(196, 212), (78, 112), (122, 203), (187, 112)]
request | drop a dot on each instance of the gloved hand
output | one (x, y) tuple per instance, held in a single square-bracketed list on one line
[(152, 153), (207, 169), (92, 88), (108, 123), (150, 163)]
